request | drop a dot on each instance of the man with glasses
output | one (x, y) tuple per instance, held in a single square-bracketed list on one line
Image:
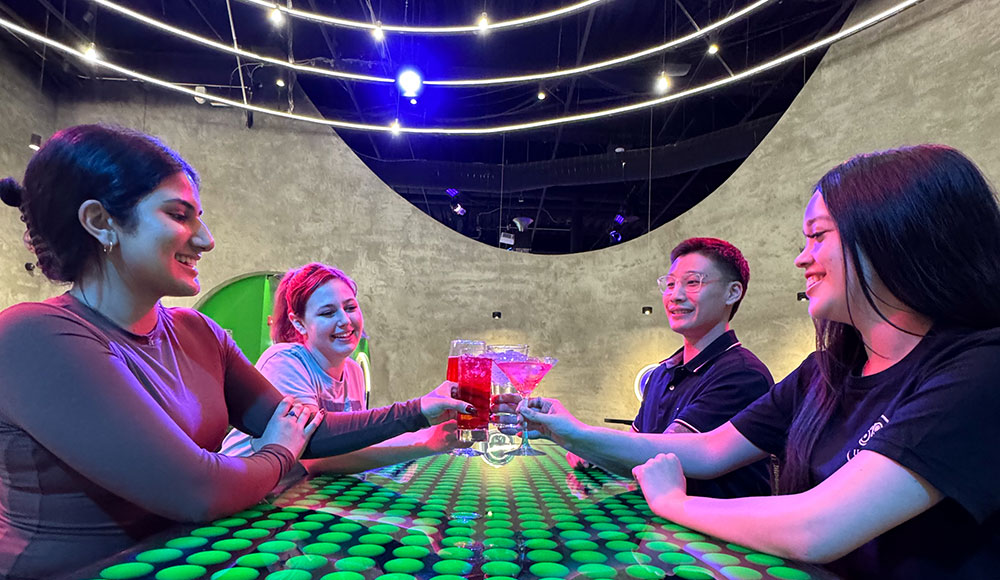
[(701, 386)]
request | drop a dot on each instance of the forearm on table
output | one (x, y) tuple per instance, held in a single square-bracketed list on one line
[(396, 450), (620, 451), (785, 526), (346, 432)]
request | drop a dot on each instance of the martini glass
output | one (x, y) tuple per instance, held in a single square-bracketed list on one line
[(525, 376)]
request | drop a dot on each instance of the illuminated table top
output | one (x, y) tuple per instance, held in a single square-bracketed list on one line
[(444, 518)]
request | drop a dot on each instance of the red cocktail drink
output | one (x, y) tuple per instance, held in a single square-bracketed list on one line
[(452, 374), (474, 375)]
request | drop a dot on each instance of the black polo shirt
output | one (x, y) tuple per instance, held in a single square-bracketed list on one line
[(703, 394)]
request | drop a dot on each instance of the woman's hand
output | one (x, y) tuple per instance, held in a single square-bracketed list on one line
[(443, 437), (440, 405), (291, 425), (662, 480)]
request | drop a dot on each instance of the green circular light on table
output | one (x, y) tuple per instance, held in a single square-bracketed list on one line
[(574, 535), (663, 546), (334, 537), (570, 525), (720, 559), (645, 572), (455, 553), (536, 534), (540, 544), (459, 541), (232, 545), (208, 557), (379, 539), (498, 568), (580, 545), (306, 562), (544, 556), (229, 522), (387, 529), (321, 548), (355, 564), (248, 514), (126, 571), (498, 533), (427, 521), (786, 573), (209, 532), (621, 546), (251, 533), (268, 524), (741, 573), (289, 575), (676, 558), (500, 554), (446, 577), (257, 560), (764, 559), (704, 547), (552, 569), (186, 543), (499, 543), (415, 540), (344, 575), (588, 557), (425, 530), (634, 558), (689, 537), (415, 552), (236, 573), (675, 528), (366, 550), (459, 567), (158, 556), (395, 576), (307, 526), (498, 523), (182, 572), (596, 571), (276, 546), (319, 517), (611, 535), (292, 535), (693, 573), (533, 525), (346, 527), (404, 565), (458, 531)]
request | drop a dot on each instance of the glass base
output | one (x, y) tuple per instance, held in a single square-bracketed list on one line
[(466, 452), (527, 452)]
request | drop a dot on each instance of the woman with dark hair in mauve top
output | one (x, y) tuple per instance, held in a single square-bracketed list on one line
[(113, 406)]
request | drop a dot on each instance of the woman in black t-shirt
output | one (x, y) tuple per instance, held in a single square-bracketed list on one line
[(889, 433)]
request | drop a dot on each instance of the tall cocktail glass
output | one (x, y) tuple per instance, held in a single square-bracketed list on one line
[(525, 376), (471, 392)]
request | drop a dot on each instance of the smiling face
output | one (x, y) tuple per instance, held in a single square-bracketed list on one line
[(158, 256), (693, 315), (823, 263), (332, 322)]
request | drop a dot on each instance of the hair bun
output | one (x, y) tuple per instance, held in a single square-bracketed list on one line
[(11, 192)]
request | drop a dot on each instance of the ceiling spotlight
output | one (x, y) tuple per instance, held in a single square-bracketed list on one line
[(36, 142), (713, 48), (276, 17), (458, 209), (451, 191), (91, 52), (413, 101), (619, 149), (541, 95), (647, 310), (377, 33), (484, 22), (615, 236), (619, 219), (522, 222), (497, 315), (410, 82), (394, 127), (662, 83), (280, 82)]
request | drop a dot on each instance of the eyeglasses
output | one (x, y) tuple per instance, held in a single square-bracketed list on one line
[(691, 283)]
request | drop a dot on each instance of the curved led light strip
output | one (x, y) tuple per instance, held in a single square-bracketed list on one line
[(442, 82), (607, 63), (396, 128), (129, 13), (323, 19)]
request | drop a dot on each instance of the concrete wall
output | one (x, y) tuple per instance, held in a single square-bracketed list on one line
[(285, 193)]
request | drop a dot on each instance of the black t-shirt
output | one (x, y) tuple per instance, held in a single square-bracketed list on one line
[(937, 413), (703, 394)]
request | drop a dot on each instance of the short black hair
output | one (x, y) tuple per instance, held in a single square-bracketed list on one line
[(725, 255)]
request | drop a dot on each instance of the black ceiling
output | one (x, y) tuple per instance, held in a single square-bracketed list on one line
[(585, 185)]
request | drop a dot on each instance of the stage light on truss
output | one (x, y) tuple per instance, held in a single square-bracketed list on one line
[(410, 82), (91, 52), (713, 48), (377, 33), (276, 17), (395, 127), (541, 95), (280, 82), (662, 84), (484, 22)]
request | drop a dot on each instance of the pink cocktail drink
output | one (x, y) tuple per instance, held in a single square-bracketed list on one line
[(525, 375), (474, 375)]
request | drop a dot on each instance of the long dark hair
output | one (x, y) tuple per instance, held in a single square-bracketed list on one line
[(294, 290), (114, 165), (928, 223)]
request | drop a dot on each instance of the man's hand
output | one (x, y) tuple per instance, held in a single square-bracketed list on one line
[(661, 479), (548, 418)]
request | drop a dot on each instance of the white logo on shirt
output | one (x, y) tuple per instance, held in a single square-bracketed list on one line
[(863, 441)]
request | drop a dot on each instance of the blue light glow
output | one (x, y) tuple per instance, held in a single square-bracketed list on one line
[(410, 82)]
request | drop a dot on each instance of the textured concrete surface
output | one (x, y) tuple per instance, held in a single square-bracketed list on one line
[(285, 193)]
